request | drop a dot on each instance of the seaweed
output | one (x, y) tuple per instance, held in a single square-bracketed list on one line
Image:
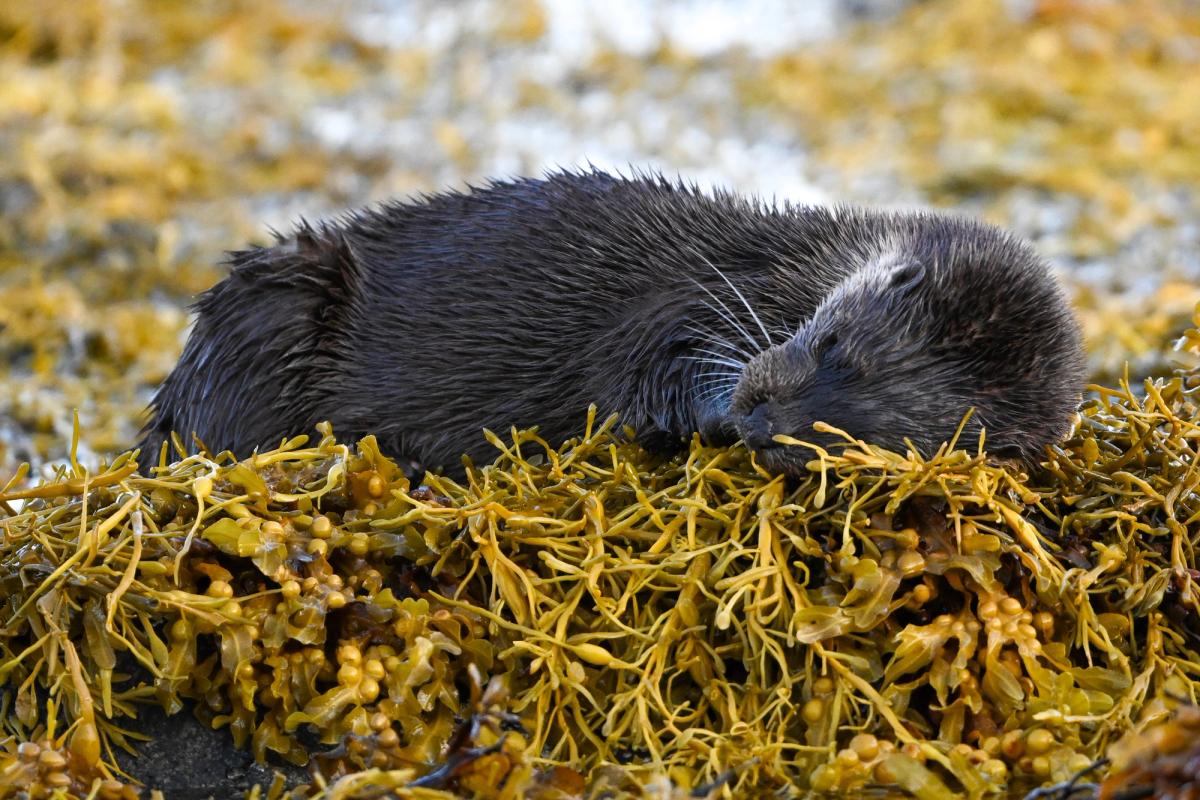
[(942, 625)]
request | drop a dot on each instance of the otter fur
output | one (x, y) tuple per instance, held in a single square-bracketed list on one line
[(522, 302)]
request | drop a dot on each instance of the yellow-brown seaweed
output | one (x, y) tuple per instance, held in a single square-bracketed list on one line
[(944, 625)]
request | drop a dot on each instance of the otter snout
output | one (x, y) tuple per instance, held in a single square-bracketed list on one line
[(757, 428), (766, 403)]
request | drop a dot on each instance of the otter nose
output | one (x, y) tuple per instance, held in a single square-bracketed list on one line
[(757, 428)]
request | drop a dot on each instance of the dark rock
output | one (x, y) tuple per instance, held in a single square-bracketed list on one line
[(187, 760)]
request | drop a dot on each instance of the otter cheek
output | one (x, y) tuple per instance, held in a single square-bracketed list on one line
[(798, 424)]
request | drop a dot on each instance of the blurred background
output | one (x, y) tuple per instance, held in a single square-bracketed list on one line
[(141, 138)]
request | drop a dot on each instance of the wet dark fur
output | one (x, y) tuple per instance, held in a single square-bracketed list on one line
[(523, 302)]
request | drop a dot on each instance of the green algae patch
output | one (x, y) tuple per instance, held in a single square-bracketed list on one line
[(588, 619)]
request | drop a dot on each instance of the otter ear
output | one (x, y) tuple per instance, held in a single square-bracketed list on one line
[(826, 341), (906, 277)]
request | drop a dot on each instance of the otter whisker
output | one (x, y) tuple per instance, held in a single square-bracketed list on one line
[(719, 379), (712, 394), (719, 361), (734, 374), (716, 383), (719, 354), (727, 315), (785, 334), (715, 392), (741, 297), (732, 322), (714, 338), (724, 377), (710, 378)]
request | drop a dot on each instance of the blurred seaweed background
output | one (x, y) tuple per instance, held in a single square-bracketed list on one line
[(141, 138), (1045, 613)]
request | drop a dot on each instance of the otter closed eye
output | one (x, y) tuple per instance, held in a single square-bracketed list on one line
[(906, 277), (524, 302)]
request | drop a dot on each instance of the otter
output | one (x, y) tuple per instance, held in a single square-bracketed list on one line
[(524, 301)]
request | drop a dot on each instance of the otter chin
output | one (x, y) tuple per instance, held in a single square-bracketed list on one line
[(524, 302)]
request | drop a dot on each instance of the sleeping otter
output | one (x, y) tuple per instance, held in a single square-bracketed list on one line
[(522, 302)]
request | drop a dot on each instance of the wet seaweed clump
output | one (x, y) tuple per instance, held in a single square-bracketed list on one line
[(593, 620), (1160, 759)]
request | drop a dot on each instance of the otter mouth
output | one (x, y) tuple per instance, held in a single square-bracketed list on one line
[(757, 430), (779, 458)]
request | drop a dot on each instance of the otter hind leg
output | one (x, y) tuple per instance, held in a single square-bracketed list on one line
[(246, 378)]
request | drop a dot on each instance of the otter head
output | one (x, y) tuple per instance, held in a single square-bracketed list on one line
[(957, 316)]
